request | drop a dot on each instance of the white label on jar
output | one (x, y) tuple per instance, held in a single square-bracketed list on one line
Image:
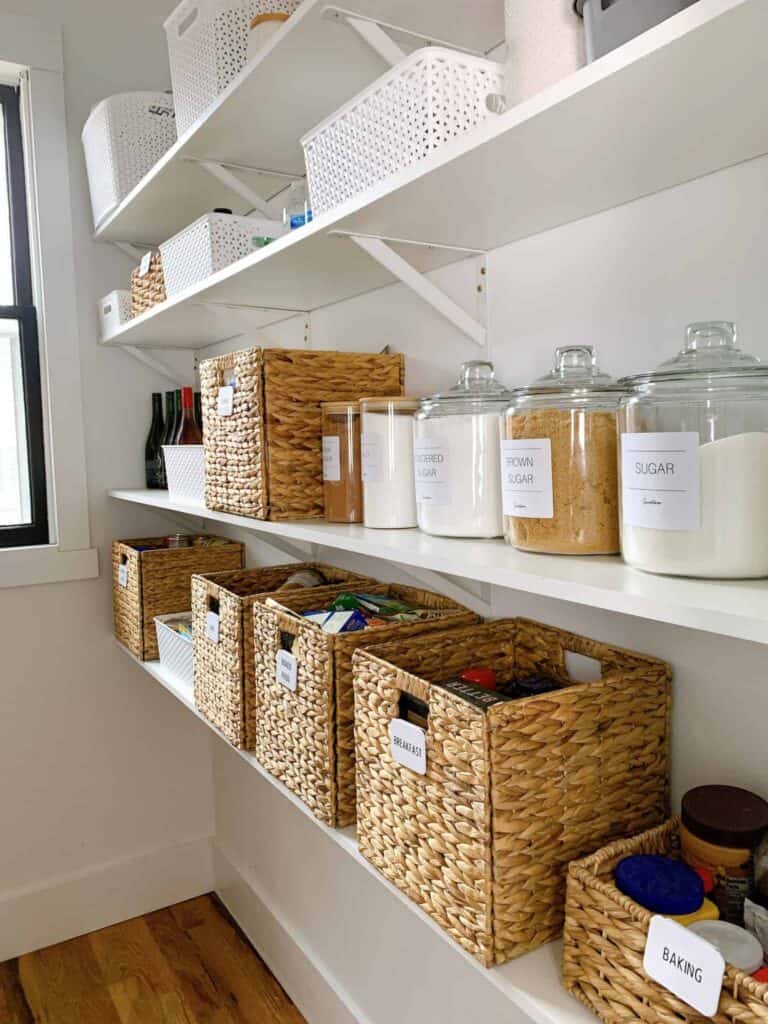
[(287, 670), (526, 478), (370, 453), (685, 964), (660, 481), (332, 459), (226, 400), (212, 626), (122, 574), (408, 745), (431, 459)]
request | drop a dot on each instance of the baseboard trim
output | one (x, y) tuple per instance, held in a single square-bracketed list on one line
[(103, 895), (301, 972)]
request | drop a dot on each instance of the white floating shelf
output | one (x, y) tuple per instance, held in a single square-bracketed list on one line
[(531, 983), (728, 608)]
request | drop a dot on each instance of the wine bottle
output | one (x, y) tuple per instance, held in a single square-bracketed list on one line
[(189, 431), (153, 455), (199, 410), (176, 417), (167, 435)]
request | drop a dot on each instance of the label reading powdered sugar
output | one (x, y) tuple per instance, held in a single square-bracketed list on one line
[(370, 451), (287, 670), (408, 745), (332, 459), (526, 478), (660, 482), (433, 475), (226, 400)]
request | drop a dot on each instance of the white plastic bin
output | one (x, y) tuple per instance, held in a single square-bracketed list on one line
[(185, 472), (176, 650), (123, 138), (114, 311)]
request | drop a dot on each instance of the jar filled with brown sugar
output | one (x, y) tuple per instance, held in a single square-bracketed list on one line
[(559, 461), (342, 480)]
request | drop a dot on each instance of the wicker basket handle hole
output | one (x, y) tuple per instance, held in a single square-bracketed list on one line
[(123, 558), (213, 604), (413, 710), (287, 640), (186, 23), (581, 669)]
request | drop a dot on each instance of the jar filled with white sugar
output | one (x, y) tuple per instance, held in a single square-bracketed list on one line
[(694, 461), (457, 439), (389, 491)]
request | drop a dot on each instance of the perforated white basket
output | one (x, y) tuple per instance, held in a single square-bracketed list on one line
[(176, 651), (425, 101), (123, 138), (185, 472), (212, 242), (208, 46), (114, 311)]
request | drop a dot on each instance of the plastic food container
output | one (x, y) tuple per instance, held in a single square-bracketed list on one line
[(389, 490), (545, 43), (342, 485), (558, 460), (456, 456), (694, 461), (262, 28), (610, 23)]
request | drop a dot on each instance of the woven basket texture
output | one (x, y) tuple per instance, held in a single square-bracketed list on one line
[(158, 583), (224, 671), (306, 738), (514, 792), (265, 460), (605, 936), (147, 290)]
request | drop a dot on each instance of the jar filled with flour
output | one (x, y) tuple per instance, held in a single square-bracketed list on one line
[(456, 456), (389, 491), (694, 461)]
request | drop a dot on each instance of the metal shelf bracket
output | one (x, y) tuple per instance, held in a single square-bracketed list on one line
[(223, 174), (154, 364)]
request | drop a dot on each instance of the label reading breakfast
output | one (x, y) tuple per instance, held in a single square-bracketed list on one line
[(408, 745), (685, 964), (212, 626), (660, 481), (332, 459), (370, 452), (526, 478), (287, 670), (431, 459), (226, 400), (122, 575)]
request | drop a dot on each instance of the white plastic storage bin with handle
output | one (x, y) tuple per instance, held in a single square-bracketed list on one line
[(177, 648), (545, 42), (114, 311), (424, 102), (124, 137), (185, 472)]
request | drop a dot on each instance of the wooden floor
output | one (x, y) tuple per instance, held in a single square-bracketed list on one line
[(188, 964)]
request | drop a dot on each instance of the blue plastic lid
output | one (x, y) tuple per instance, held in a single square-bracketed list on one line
[(660, 884)]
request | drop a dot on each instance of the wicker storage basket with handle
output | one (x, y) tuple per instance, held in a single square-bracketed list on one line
[(306, 737), (147, 289), (605, 936), (514, 791), (264, 458), (150, 579), (224, 686)]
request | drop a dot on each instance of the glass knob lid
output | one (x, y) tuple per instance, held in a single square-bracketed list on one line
[(477, 388)]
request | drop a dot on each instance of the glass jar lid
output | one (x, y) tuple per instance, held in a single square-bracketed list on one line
[(575, 378), (340, 408), (476, 391)]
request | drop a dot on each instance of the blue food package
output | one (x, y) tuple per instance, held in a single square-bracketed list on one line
[(660, 884), (344, 622)]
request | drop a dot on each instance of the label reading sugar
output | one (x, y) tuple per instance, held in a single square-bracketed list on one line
[(526, 478), (146, 260), (122, 575), (370, 457), (286, 670), (226, 400), (685, 964), (332, 459), (431, 459), (660, 481), (212, 626), (408, 745)]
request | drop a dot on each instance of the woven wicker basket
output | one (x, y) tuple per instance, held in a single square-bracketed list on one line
[(147, 290), (513, 792), (605, 936), (224, 687), (265, 460), (150, 579), (306, 738)]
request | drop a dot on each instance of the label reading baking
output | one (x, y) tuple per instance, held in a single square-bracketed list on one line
[(431, 459), (146, 260), (685, 964), (660, 481), (226, 400), (212, 626), (370, 457), (122, 575), (408, 745), (332, 459), (526, 478), (287, 670)]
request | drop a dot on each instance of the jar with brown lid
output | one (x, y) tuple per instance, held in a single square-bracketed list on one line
[(342, 481), (559, 464)]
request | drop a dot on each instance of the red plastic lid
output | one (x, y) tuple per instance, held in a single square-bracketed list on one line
[(761, 975), (707, 878), (484, 677)]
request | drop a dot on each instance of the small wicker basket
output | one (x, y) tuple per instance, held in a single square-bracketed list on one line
[(514, 791), (306, 738), (224, 686), (605, 936), (147, 290), (150, 579)]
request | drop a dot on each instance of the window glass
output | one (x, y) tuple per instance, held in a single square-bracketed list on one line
[(7, 297), (14, 460)]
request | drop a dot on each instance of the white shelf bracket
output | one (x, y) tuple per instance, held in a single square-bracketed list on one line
[(376, 34), (300, 551), (385, 255), (234, 184), (154, 364), (476, 597), (134, 251)]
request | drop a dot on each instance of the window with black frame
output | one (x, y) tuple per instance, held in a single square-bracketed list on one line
[(23, 504)]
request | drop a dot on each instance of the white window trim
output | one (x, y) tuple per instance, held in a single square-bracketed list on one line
[(35, 48)]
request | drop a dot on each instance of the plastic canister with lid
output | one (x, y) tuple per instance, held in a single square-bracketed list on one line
[(342, 484), (262, 28), (740, 949), (389, 490)]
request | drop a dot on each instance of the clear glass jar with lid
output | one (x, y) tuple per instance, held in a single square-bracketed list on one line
[(694, 461), (456, 456), (559, 464), (389, 491)]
